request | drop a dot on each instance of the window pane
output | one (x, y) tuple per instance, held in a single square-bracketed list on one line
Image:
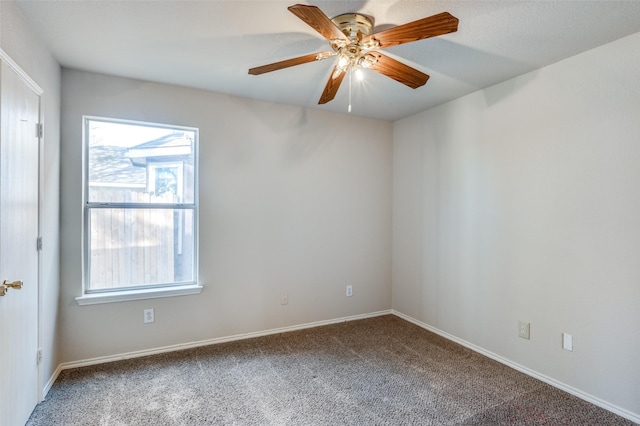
[(137, 163), (133, 247)]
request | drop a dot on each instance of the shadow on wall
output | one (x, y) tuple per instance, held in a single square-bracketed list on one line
[(291, 127), (495, 94)]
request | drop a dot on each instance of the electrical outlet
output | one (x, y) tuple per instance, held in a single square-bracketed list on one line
[(284, 299), (349, 291), (524, 329), (149, 316)]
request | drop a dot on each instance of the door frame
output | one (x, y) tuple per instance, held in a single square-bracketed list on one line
[(35, 88)]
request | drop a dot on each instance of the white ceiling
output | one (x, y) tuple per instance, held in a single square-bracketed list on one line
[(211, 45)]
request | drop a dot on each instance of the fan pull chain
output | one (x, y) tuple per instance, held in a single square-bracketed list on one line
[(350, 73)]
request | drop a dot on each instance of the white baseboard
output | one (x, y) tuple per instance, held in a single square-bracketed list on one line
[(634, 417), (51, 381), (189, 345)]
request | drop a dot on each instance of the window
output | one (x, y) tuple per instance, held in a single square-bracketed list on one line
[(140, 210)]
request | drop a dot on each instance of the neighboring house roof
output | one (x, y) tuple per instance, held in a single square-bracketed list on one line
[(174, 147), (110, 165), (118, 165)]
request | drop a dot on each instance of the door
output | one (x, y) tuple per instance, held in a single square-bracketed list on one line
[(19, 151)]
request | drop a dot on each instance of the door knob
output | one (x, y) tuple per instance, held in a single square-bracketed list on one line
[(3, 290), (15, 285)]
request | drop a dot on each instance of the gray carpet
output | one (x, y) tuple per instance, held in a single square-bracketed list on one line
[(378, 371)]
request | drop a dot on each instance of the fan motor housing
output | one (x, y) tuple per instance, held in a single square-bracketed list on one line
[(353, 23)]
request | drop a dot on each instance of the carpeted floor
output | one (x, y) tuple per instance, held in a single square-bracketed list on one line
[(378, 371)]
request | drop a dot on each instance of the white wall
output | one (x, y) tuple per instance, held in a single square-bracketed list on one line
[(522, 202), (23, 46), (292, 201)]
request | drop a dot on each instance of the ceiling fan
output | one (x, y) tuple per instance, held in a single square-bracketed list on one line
[(352, 40)]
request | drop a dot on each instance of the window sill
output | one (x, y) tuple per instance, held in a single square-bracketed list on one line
[(148, 293)]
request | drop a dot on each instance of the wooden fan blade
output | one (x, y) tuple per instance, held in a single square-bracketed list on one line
[(317, 20), (330, 90), (290, 62), (442, 23), (398, 71)]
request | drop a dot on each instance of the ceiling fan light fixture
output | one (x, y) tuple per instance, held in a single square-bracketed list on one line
[(352, 51), (367, 60), (324, 55), (343, 61)]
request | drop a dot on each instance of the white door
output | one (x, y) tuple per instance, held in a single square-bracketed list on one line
[(19, 150)]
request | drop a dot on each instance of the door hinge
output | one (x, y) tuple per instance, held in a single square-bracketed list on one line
[(39, 130), (39, 243), (39, 356)]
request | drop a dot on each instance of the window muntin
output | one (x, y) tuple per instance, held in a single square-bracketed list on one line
[(140, 209)]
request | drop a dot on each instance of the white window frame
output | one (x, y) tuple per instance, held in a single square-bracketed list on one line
[(89, 296)]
